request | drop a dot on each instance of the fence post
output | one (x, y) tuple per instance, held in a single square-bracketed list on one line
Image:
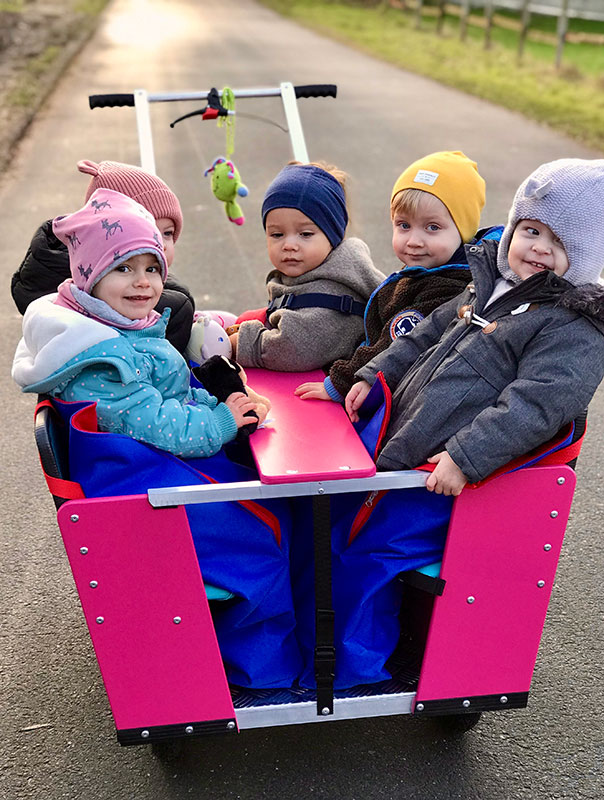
[(562, 31), (524, 26), (466, 7), (418, 13), (488, 12), (441, 16)]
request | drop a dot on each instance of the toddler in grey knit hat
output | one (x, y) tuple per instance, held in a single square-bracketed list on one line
[(565, 198)]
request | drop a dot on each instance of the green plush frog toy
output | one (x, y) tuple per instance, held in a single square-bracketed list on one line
[(226, 186)]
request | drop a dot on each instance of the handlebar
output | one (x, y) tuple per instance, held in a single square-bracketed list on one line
[(113, 100), (110, 100), (316, 90)]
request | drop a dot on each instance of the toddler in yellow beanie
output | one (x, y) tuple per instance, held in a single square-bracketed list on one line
[(435, 206)]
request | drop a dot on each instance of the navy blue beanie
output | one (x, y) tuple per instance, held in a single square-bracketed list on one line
[(314, 192)]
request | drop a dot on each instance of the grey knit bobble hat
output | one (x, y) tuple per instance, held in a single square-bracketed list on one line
[(568, 196)]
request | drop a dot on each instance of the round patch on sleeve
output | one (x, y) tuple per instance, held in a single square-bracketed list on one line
[(404, 322)]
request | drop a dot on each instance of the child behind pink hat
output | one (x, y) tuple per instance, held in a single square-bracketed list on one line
[(148, 190)]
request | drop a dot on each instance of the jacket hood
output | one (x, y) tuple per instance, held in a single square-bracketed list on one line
[(58, 343)]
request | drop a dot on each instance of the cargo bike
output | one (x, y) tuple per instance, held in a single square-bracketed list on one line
[(468, 625)]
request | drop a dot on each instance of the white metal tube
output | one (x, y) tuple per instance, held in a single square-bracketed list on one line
[(296, 135), (143, 124), (255, 490)]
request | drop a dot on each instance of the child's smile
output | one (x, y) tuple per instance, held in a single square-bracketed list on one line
[(133, 288), (535, 248), (295, 244)]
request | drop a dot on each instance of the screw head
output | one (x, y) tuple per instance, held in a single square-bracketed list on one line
[(325, 712), (466, 704), (145, 734), (503, 699), (321, 490), (419, 707), (470, 599), (100, 620), (74, 518), (553, 514), (94, 584), (83, 550), (541, 584), (189, 729), (561, 480), (547, 547), (230, 725), (177, 620)]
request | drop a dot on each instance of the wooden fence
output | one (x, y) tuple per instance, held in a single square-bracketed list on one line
[(563, 10)]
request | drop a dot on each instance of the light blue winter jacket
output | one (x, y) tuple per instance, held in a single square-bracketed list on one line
[(138, 380)]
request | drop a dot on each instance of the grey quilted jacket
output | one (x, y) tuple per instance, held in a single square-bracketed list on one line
[(490, 394)]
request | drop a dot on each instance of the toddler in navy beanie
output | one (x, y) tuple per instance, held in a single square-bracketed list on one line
[(320, 282)]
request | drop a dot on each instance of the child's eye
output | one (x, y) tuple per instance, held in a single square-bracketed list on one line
[(122, 268), (307, 234), (275, 235), (153, 268), (168, 234), (433, 227), (532, 231), (403, 225)]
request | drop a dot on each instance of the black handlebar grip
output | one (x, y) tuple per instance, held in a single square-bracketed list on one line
[(316, 90), (110, 100)]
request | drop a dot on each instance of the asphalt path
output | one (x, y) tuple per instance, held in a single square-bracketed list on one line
[(57, 738)]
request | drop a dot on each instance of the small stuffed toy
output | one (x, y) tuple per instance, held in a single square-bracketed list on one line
[(226, 186), (221, 377), (208, 338)]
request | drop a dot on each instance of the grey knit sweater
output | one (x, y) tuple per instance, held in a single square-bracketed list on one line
[(308, 338)]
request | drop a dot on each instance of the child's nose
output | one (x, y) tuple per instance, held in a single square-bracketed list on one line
[(414, 237), (141, 279), (542, 247), (290, 243)]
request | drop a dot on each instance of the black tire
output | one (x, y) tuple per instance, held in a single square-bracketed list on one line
[(457, 724)]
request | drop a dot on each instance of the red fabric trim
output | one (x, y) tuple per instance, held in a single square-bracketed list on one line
[(58, 487), (258, 511), (387, 413), (86, 420), (67, 490), (363, 514), (256, 313)]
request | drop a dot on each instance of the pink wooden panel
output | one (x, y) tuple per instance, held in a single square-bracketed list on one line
[(497, 552), (307, 439), (156, 672)]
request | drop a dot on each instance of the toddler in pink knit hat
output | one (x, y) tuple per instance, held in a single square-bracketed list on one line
[(46, 263), (101, 340)]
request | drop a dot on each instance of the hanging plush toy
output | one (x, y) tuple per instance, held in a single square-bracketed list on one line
[(227, 186)]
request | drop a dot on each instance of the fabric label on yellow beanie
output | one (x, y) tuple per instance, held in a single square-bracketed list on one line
[(425, 176)]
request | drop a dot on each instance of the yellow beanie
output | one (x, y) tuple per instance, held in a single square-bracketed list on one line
[(454, 179)]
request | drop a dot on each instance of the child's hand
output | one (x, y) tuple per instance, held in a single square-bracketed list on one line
[(239, 404), (447, 478), (233, 340), (312, 391), (355, 399)]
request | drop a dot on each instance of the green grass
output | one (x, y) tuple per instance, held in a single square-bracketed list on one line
[(569, 101)]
